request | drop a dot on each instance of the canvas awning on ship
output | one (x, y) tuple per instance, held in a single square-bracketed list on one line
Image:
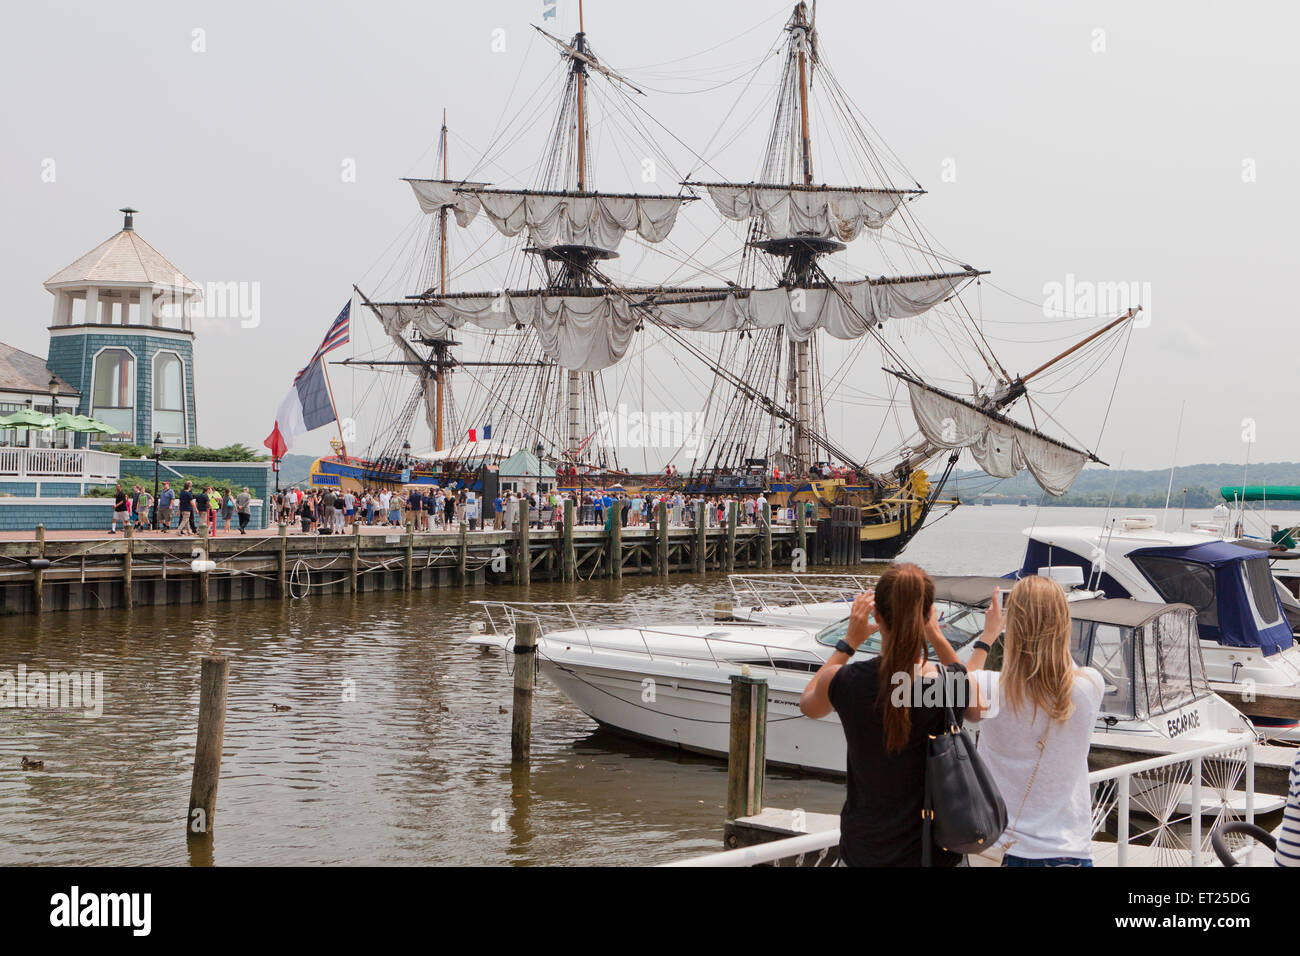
[(587, 333), (1000, 446), (599, 220), (823, 212)]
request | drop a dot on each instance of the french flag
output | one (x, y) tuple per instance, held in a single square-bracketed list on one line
[(307, 404), (484, 433)]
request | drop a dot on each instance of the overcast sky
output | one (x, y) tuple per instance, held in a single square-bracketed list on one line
[(1150, 143)]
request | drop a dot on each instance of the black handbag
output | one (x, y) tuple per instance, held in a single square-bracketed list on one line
[(964, 812)]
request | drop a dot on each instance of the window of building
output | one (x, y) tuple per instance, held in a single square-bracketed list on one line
[(113, 393), (169, 398)]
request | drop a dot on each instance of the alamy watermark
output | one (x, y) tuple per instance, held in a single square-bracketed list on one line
[(57, 690), (636, 429), (1076, 298)]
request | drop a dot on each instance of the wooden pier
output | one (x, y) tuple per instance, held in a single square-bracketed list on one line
[(96, 571)]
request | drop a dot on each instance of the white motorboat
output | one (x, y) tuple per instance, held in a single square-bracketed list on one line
[(671, 683), (1247, 621)]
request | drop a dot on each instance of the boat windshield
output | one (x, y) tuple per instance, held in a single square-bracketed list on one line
[(959, 623)]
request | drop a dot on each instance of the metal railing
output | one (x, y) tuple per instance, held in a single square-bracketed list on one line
[(1179, 798), (768, 592), (594, 622), (85, 463)]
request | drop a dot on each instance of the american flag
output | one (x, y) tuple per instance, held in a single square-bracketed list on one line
[(336, 336)]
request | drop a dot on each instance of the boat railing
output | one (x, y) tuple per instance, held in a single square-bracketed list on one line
[(775, 591), (595, 620), (1165, 810)]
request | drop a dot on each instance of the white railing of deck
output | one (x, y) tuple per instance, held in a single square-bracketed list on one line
[(84, 463), (1154, 787)]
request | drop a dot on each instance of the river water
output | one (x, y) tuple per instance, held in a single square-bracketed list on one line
[(416, 769)]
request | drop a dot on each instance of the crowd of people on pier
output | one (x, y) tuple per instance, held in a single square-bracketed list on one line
[(190, 507), (326, 511)]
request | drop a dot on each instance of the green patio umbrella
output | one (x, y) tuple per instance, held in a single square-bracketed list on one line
[(93, 426), (65, 422), (27, 419)]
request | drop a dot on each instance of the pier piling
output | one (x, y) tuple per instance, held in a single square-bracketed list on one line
[(747, 756), (568, 559), (766, 557), (355, 575), (410, 555), (283, 561), (128, 600), (701, 537), (462, 558), (800, 531), (38, 571), (662, 550), (523, 555), (204, 577), (615, 542), (213, 680), (732, 517), (521, 720)]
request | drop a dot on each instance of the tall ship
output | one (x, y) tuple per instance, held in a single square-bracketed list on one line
[(537, 366)]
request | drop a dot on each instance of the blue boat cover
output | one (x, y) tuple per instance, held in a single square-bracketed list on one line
[(1244, 594)]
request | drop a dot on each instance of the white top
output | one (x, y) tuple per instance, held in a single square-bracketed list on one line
[(1057, 816)]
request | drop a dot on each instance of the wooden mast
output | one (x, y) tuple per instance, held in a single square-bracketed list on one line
[(442, 285), (1080, 344), (573, 381), (801, 349)]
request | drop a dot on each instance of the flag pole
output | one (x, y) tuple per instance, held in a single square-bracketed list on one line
[(324, 367)]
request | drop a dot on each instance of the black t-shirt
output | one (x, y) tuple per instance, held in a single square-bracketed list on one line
[(119, 501), (880, 824), (201, 501), (186, 499)]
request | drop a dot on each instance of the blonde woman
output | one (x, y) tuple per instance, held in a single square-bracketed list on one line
[(1036, 720)]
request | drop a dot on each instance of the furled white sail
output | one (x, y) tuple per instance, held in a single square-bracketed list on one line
[(583, 219), (582, 333), (820, 212), (1000, 447), (803, 311), (436, 194)]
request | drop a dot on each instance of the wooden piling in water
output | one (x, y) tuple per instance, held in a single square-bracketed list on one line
[(747, 754), (38, 571), (128, 559), (204, 576), (616, 541), (766, 557), (410, 555), (732, 517), (701, 537), (568, 558), (800, 531), (283, 560), (462, 559), (213, 680), (355, 575), (523, 554), (662, 550), (521, 720)]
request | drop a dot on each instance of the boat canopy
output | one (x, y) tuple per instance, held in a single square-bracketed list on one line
[(1260, 492), (1231, 588), (968, 589), (1148, 654)]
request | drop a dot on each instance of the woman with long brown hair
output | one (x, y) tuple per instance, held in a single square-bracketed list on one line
[(1036, 721), (888, 709)]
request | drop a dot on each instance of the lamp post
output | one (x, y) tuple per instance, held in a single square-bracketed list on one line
[(157, 458), (54, 404), (275, 467), (405, 462)]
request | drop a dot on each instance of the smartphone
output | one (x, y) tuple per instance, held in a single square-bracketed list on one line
[(1003, 594)]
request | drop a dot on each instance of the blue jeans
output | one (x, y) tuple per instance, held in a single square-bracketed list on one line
[(1009, 860)]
